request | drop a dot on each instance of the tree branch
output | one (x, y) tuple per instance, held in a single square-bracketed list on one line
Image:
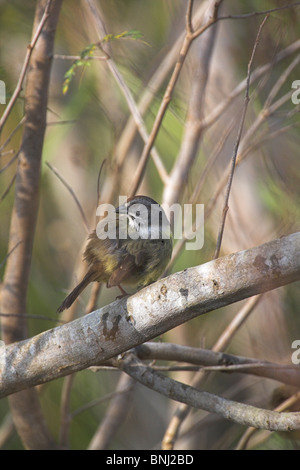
[(27, 414), (203, 52), (149, 313), (215, 360), (238, 412), (236, 147), (187, 42), (30, 49)]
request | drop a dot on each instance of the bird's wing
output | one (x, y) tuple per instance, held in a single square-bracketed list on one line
[(127, 269)]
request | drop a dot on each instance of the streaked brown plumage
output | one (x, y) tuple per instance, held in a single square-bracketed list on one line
[(127, 261)]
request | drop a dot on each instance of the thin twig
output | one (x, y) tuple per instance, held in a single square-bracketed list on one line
[(11, 251), (12, 133), (78, 57), (228, 409), (168, 94), (30, 48), (149, 92), (58, 123), (6, 191), (258, 13), (65, 418), (11, 161), (126, 92), (30, 423), (248, 140), (100, 400), (98, 181), (187, 42), (214, 359), (193, 130), (115, 414), (257, 73), (189, 26), (182, 410), (56, 172), (236, 147), (265, 137), (196, 192), (280, 82), (8, 152), (92, 303), (241, 368), (33, 316), (238, 320)]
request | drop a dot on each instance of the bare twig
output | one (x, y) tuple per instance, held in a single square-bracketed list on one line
[(182, 410), (213, 359), (187, 42), (8, 152), (189, 26), (280, 82), (65, 414), (56, 172), (9, 186), (10, 252), (257, 73), (78, 57), (100, 400), (168, 94), (98, 181), (30, 48), (25, 407), (149, 92), (11, 161), (234, 411), (265, 137), (203, 51), (248, 144), (195, 195), (92, 303), (238, 320), (115, 415), (33, 316), (125, 90), (259, 13), (236, 147), (13, 132)]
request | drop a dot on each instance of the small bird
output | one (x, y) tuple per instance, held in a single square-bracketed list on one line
[(135, 249)]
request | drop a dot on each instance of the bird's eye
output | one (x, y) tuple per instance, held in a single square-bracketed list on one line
[(138, 213)]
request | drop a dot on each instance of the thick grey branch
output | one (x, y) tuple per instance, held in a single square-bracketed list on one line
[(150, 312), (286, 373), (238, 412)]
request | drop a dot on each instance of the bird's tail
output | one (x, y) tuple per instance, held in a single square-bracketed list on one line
[(89, 277)]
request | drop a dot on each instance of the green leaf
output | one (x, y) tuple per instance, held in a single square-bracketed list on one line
[(133, 34), (82, 62), (89, 51)]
